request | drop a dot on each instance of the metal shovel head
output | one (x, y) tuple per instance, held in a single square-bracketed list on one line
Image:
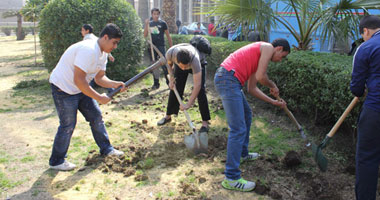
[(197, 142), (319, 158)]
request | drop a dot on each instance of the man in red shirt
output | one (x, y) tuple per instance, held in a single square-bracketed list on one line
[(248, 63)]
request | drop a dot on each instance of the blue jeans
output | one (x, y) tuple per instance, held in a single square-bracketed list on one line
[(239, 119), (67, 106), (367, 154)]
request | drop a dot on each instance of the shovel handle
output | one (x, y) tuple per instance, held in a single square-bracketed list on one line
[(290, 114), (186, 113), (343, 117), (150, 42), (155, 65)]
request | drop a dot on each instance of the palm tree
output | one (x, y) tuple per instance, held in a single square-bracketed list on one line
[(168, 14), (246, 15), (339, 20)]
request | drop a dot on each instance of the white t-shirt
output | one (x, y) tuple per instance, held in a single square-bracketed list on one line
[(90, 36), (87, 56)]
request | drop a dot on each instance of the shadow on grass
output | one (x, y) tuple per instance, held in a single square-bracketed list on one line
[(44, 188)]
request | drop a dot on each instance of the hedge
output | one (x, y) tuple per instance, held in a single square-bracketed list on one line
[(313, 83), (61, 22), (316, 84)]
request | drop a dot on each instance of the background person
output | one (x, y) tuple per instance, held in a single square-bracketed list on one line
[(157, 29)]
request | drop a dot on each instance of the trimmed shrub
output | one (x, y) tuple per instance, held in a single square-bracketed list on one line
[(6, 30), (61, 22), (316, 84)]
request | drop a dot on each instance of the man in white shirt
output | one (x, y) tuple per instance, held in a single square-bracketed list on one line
[(87, 33), (79, 64)]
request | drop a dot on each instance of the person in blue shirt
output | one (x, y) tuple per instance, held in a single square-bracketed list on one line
[(366, 76)]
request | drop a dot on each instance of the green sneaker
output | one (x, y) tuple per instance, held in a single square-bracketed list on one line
[(239, 185), (250, 157)]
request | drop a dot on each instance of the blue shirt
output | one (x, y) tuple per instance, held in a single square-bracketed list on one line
[(366, 72)]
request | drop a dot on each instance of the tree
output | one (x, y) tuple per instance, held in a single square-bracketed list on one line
[(339, 20), (61, 21), (247, 15), (20, 32), (168, 14), (31, 12)]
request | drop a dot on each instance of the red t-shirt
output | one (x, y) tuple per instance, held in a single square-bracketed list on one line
[(244, 61), (211, 31)]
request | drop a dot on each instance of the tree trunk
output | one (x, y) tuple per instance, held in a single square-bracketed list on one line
[(143, 10), (20, 35), (168, 14), (132, 2)]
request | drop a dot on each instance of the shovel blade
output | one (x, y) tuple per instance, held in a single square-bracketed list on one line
[(319, 158), (197, 143)]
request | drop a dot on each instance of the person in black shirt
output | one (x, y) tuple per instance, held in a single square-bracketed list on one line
[(157, 29)]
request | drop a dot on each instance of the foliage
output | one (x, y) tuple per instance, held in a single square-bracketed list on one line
[(316, 84), (248, 15), (32, 9), (61, 22), (332, 19), (6, 30)]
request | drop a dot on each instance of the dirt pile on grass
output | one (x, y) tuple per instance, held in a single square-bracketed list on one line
[(126, 164)]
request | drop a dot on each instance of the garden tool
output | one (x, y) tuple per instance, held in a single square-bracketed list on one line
[(151, 44), (299, 127), (317, 150), (160, 62), (196, 142)]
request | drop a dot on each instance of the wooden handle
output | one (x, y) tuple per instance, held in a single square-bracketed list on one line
[(186, 114), (291, 116), (343, 117), (151, 44)]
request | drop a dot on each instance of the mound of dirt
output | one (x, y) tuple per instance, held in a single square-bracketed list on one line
[(125, 164), (292, 159)]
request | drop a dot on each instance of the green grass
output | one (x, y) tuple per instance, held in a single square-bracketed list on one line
[(5, 110), (268, 140), (5, 183), (27, 159), (5, 158)]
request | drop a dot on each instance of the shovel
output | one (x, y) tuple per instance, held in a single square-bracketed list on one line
[(299, 127), (134, 79), (196, 142), (319, 158)]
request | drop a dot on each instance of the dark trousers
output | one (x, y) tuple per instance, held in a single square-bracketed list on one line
[(181, 78), (367, 154), (67, 107), (156, 72)]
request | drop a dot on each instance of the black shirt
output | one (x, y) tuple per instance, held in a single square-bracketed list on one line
[(157, 30)]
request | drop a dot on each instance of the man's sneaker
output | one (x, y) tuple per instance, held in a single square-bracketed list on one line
[(163, 121), (203, 129), (66, 166), (239, 185), (250, 157), (115, 152)]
